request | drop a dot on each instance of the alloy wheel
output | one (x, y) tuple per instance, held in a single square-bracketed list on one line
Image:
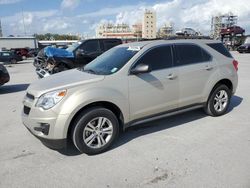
[(98, 132), (220, 100)]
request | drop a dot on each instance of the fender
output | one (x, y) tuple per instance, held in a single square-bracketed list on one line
[(80, 99)]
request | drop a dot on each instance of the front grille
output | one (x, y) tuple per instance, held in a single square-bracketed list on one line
[(29, 96), (26, 110)]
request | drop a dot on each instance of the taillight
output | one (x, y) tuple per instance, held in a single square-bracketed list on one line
[(235, 63)]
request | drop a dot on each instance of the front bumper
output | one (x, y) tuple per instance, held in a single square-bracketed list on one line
[(243, 50), (46, 125), (52, 143)]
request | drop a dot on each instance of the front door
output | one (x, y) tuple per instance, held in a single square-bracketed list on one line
[(89, 50), (157, 91)]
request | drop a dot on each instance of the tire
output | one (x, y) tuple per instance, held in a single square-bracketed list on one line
[(13, 61), (218, 101), (88, 137)]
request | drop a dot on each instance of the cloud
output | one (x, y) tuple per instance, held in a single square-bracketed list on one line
[(56, 25), (26, 22), (69, 4), (5, 2), (196, 13)]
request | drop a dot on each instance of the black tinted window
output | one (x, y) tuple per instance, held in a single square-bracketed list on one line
[(90, 46), (206, 56), (219, 47), (111, 61), (190, 54), (110, 44), (157, 58)]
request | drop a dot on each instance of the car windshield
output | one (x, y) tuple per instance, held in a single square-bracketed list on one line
[(73, 46), (111, 61)]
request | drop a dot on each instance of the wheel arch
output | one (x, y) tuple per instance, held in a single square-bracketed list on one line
[(105, 104), (224, 81)]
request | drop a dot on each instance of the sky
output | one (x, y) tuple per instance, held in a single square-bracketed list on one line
[(83, 16)]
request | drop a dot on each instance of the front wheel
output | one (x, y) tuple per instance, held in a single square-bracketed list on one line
[(218, 101), (95, 130)]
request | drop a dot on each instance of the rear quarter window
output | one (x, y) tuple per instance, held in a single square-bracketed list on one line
[(219, 47)]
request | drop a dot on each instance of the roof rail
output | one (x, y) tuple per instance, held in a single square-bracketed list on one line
[(187, 37)]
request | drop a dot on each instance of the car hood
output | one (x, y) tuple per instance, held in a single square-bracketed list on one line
[(63, 80), (57, 52)]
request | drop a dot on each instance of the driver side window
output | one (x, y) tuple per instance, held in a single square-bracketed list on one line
[(157, 58)]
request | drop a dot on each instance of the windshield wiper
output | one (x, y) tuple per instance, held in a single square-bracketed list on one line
[(90, 71)]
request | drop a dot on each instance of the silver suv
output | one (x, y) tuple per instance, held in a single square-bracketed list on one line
[(127, 85)]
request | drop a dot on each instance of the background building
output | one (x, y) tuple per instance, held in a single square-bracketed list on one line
[(166, 30), (149, 25), (110, 30), (123, 31)]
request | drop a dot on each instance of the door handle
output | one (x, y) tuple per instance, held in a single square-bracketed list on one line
[(171, 76), (208, 67)]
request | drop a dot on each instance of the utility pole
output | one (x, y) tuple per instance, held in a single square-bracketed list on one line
[(24, 27), (1, 31)]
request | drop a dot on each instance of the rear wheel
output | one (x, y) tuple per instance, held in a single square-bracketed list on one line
[(218, 101), (95, 130)]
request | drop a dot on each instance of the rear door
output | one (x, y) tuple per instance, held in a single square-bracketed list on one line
[(194, 69), (157, 91), (110, 43)]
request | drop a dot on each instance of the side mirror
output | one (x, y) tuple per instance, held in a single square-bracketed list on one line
[(140, 68)]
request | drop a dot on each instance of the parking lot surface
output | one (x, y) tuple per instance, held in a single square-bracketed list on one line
[(187, 150)]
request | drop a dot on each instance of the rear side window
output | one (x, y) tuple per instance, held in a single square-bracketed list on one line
[(158, 58), (110, 44), (190, 54), (219, 47)]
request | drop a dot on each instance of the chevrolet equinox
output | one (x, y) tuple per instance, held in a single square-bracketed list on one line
[(127, 85)]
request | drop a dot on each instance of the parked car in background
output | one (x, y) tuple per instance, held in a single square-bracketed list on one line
[(22, 52), (129, 84), (33, 52), (233, 30), (187, 32), (244, 48), (4, 75), (53, 60), (10, 57)]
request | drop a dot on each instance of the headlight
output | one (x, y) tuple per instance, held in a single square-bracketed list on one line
[(48, 100)]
